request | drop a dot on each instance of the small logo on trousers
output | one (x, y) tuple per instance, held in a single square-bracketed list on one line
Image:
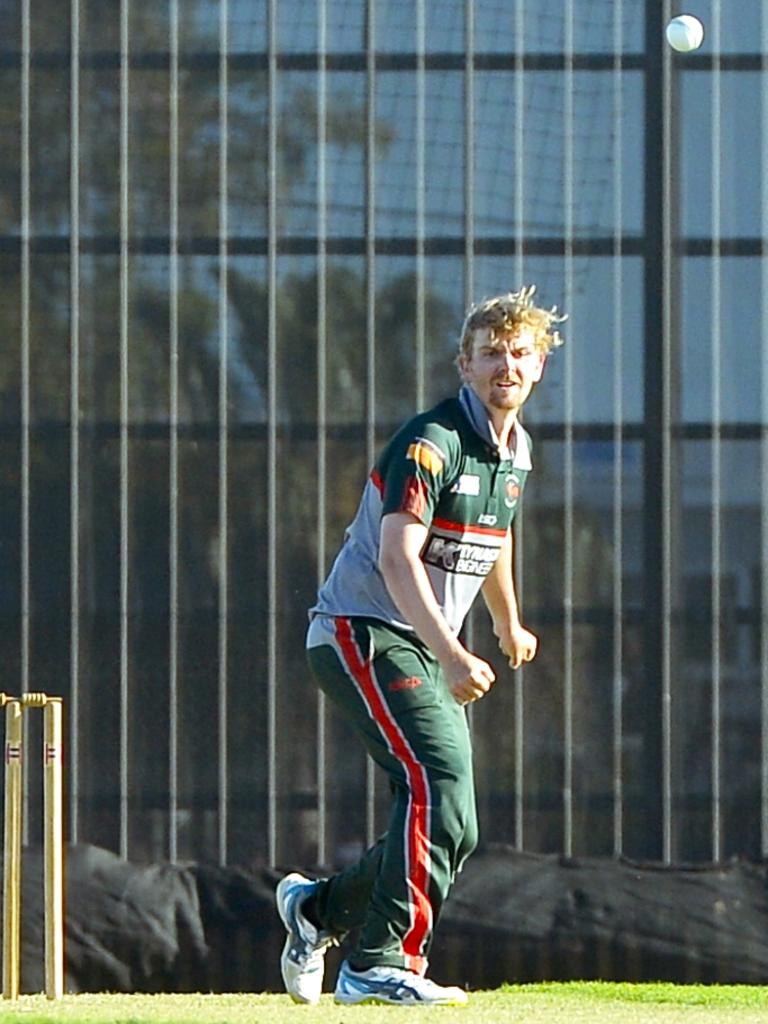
[(406, 683)]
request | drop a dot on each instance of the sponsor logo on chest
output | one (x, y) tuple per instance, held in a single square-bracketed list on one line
[(462, 557)]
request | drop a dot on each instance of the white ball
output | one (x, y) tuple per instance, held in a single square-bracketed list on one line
[(685, 33)]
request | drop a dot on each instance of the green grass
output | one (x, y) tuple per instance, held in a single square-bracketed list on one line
[(566, 1003)]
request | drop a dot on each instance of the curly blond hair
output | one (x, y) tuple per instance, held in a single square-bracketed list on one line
[(509, 313)]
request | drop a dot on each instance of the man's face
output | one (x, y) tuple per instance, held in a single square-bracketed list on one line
[(502, 371)]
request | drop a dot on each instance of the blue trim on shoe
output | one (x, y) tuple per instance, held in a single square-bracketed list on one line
[(393, 986)]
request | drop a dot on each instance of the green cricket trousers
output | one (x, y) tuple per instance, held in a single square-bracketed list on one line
[(390, 687)]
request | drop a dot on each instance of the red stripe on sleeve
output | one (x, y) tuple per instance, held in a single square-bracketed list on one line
[(414, 497)]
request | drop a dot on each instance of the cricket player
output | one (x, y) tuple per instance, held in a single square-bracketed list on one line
[(433, 529)]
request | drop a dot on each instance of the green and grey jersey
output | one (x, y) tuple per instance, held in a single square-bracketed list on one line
[(446, 468)]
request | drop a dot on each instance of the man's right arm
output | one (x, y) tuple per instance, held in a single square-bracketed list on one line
[(401, 542)]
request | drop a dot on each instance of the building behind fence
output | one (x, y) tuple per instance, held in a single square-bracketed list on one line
[(236, 243)]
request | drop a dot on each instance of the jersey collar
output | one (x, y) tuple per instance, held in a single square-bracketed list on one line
[(478, 417)]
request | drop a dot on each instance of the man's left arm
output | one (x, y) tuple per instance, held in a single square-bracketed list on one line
[(515, 641)]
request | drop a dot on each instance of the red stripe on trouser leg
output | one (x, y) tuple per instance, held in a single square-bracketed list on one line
[(417, 843)]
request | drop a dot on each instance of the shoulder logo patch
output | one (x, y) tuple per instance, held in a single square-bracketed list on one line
[(427, 455)]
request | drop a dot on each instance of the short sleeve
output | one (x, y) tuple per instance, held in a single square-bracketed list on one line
[(415, 469)]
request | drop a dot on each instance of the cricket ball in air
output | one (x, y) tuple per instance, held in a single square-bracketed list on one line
[(685, 33)]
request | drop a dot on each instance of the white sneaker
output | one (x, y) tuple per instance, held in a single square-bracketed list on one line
[(394, 986), (303, 958)]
